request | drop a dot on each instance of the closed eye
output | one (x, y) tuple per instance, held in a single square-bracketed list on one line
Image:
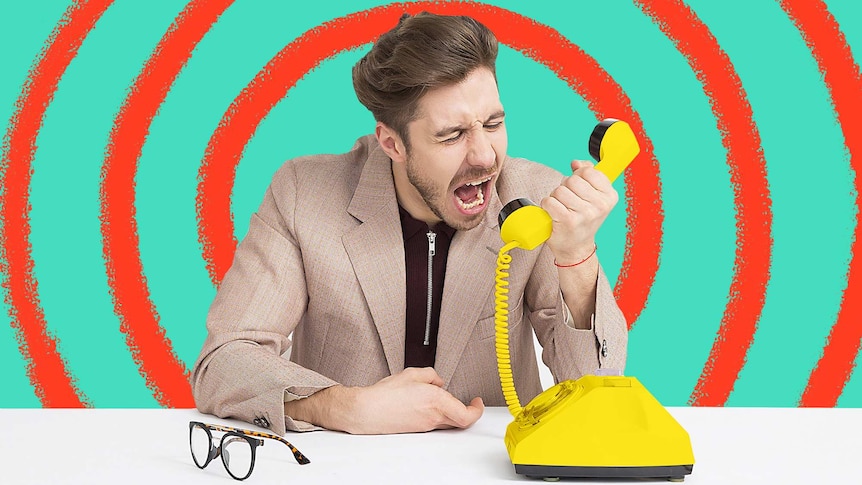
[(452, 139)]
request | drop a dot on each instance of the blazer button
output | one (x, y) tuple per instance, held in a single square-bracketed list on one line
[(262, 422), (604, 348)]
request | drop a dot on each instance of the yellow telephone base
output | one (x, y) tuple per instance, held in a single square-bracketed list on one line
[(598, 427)]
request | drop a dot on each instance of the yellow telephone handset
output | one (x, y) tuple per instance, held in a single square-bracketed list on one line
[(595, 426), (612, 144)]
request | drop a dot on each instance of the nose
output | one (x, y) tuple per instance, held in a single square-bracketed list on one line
[(481, 152)]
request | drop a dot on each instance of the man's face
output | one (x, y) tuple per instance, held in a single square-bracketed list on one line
[(457, 147)]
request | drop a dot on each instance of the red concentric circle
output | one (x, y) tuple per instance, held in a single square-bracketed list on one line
[(151, 350), (844, 82), (52, 382), (747, 165)]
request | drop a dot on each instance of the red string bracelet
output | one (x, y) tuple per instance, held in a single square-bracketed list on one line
[(595, 248)]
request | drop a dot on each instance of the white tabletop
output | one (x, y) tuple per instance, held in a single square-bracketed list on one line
[(148, 446)]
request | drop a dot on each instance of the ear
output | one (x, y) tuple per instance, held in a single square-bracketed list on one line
[(391, 143)]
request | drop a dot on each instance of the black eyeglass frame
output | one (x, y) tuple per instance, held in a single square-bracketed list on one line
[(244, 434)]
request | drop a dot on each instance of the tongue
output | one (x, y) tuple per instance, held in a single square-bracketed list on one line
[(467, 193)]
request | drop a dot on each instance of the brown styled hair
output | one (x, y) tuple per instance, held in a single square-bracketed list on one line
[(421, 53)]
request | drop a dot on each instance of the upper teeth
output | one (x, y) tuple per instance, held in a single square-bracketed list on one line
[(480, 196), (478, 182)]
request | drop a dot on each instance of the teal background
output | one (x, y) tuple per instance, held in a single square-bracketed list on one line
[(809, 175)]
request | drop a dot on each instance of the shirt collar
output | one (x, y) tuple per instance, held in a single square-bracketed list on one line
[(411, 226)]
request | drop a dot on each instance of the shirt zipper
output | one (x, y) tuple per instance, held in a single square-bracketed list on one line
[(432, 250)]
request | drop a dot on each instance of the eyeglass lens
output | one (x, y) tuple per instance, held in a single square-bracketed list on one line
[(201, 445), (236, 452), (237, 455)]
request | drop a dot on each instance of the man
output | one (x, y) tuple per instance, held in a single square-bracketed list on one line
[(380, 262)]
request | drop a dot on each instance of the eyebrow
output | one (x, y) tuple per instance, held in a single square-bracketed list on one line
[(453, 128)]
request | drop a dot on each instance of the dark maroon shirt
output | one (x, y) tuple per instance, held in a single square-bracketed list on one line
[(416, 253)]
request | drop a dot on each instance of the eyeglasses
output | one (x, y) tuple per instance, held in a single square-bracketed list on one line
[(237, 448)]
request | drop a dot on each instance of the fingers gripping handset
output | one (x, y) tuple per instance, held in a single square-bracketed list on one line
[(525, 225)]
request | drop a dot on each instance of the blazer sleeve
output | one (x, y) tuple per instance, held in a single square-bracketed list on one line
[(569, 352), (241, 371)]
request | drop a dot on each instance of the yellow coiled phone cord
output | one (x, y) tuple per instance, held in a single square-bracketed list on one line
[(501, 329)]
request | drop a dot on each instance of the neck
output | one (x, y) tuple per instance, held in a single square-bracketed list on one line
[(409, 198)]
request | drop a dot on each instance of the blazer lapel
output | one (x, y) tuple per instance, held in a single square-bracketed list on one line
[(376, 251), (470, 280)]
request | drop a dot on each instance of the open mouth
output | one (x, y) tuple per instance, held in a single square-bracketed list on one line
[(470, 197)]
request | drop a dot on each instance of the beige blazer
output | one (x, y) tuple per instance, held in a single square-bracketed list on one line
[(323, 260)]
